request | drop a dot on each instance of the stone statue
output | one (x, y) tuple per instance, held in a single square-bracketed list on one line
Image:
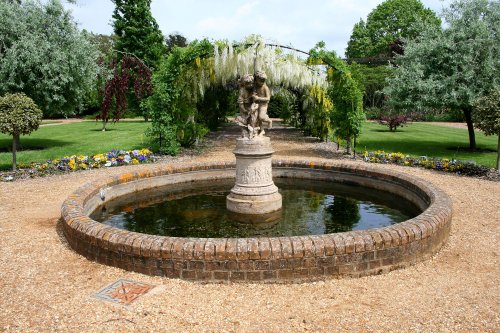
[(253, 100), (261, 96), (254, 192)]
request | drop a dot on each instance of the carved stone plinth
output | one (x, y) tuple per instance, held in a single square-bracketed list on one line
[(254, 191)]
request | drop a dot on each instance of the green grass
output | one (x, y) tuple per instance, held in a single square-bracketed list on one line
[(86, 138), (420, 139)]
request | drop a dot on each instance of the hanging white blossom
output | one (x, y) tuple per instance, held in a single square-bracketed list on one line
[(283, 68)]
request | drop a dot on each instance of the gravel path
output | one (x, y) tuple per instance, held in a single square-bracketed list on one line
[(46, 287)]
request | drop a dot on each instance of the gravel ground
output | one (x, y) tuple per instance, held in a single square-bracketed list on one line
[(46, 287)]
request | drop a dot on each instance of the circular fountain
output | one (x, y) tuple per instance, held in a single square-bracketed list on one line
[(261, 258)]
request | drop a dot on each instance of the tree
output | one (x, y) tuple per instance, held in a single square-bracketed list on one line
[(115, 92), (386, 25), (137, 31), (43, 54), (359, 45), (371, 81), (487, 116), (451, 68), (175, 39), (19, 115)]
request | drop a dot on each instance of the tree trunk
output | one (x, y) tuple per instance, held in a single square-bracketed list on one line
[(15, 140), (498, 154), (348, 145), (470, 128)]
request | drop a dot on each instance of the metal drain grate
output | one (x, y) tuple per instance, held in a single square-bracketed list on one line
[(123, 292)]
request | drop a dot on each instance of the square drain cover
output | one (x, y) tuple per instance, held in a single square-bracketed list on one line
[(123, 292)]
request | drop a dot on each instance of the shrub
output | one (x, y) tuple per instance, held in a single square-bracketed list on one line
[(393, 121), (19, 115)]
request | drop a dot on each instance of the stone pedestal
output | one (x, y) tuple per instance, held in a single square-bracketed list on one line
[(254, 192)]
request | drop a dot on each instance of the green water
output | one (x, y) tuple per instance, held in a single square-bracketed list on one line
[(198, 209)]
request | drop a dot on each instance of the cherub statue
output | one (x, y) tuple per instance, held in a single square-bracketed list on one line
[(253, 100), (261, 96)]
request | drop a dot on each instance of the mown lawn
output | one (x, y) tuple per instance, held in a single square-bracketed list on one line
[(85, 138), (421, 139)]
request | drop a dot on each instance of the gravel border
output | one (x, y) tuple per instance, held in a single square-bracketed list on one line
[(47, 287)]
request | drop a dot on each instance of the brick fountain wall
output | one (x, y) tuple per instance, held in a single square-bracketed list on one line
[(273, 259)]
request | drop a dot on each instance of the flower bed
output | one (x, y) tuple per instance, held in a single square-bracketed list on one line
[(83, 162), (469, 168)]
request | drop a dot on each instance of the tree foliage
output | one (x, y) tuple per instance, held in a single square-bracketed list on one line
[(43, 54), (19, 115), (487, 113), (137, 31), (452, 67), (386, 25), (371, 81), (175, 39)]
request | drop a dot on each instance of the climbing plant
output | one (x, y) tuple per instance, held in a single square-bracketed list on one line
[(172, 107), (193, 85), (347, 115)]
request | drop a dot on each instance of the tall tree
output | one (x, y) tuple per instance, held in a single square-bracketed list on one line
[(44, 55), (359, 45), (386, 25), (451, 68), (175, 39), (137, 31)]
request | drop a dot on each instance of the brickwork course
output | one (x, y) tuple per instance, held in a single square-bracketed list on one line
[(271, 259)]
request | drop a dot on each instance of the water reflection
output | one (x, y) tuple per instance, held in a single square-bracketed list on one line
[(309, 208)]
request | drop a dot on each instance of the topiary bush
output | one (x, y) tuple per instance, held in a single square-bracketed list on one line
[(19, 115)]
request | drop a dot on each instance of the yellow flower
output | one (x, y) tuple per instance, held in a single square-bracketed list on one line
[(81, 158), (135, 161), (82, 166), (145, 151), (72, 164)]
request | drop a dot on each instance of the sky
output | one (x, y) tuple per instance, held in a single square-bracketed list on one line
[(300, 24)]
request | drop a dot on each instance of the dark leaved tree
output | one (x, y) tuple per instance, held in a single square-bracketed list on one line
[(128, 74)]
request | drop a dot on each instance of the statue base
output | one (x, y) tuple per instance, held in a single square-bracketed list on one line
[(254, 192)]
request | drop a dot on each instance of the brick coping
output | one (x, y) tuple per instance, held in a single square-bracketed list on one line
[(270, 259)]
